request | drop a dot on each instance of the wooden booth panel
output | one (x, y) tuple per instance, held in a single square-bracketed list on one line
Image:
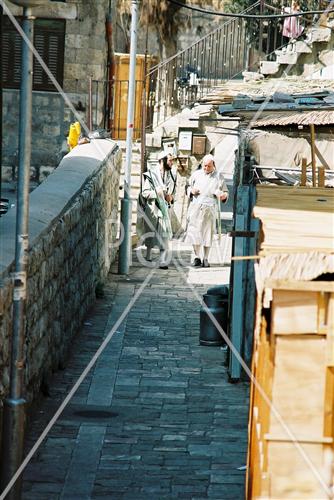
[(299, 381), (291, 476), (294, 312)]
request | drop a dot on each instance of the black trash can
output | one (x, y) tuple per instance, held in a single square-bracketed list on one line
[(216, 300)]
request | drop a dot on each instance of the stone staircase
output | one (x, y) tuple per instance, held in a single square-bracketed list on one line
[(304, 57)]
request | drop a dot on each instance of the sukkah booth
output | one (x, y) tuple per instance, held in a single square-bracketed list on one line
[(291, 420)]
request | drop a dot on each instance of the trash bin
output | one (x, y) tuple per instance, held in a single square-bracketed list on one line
[(216, 300)]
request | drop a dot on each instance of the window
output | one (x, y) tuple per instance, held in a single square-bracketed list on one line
[(49, 37)]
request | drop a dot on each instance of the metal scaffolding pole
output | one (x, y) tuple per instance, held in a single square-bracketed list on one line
[(126, 205), (14, 404)]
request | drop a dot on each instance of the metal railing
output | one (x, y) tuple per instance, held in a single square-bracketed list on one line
[(187, 77), (238, 45), (234, 47)]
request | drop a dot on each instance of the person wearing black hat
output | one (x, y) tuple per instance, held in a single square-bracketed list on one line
[(158, 192)]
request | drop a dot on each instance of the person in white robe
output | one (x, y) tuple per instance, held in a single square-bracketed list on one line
[(206, 189)]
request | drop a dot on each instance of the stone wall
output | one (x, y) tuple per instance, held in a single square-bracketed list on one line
[(72, 243), (85, 56), (48, 133)]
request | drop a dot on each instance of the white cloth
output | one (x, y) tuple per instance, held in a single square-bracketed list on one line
[(204, 208), (151, 221)]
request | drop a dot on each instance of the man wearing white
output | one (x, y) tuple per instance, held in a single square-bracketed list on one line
[(206, 189)]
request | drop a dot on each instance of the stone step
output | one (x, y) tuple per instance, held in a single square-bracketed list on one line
[(133, 174), (320, 35), (286, 57), (269, 67), (134, 190), (303, 47), (153, 140), (134, 162)]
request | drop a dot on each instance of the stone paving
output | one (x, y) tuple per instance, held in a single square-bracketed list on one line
[(156, 417)]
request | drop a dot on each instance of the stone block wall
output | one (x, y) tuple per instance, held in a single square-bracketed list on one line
[(85, 56), (48, 133), (72, 234)]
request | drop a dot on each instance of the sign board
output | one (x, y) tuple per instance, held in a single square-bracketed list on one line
[(185, 140), (199, 145), (169, 146)]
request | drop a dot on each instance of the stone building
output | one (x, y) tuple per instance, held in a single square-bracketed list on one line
[(72, 40), (74, 49)]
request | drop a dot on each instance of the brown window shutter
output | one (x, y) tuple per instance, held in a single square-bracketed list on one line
[(11, 56), (49, 36)]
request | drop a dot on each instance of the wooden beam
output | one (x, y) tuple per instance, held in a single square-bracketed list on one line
[(314, 179), (304, 171), (300, 439), (53, 10), (321, 176), (310, 286)]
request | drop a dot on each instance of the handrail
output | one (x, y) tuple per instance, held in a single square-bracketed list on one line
[(186, 77), (229, 21)]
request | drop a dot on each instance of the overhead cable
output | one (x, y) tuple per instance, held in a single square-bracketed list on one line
[(248, 16)]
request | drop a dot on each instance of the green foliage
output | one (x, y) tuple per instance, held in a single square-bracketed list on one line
[(238, 6)]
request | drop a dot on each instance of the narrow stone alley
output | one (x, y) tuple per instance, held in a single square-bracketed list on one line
[(156, 417)]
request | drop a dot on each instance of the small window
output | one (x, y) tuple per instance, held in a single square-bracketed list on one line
[(49, 37)]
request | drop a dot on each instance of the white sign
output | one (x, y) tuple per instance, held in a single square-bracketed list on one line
[(170, 147), (185, 139)]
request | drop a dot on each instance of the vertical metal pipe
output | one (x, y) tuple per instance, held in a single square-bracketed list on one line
[(229, 41), (261, 28), (224, 54), (90, 105), (111, 72), (143, 133), (126, 214), (14, 404), (97, 104)]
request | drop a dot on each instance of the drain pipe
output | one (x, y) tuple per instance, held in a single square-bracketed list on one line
[(126, 208), (110, 74), (14, 404)]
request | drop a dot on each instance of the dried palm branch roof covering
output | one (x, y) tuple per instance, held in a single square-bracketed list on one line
[(298, 232), (296, 118), (265, 88)]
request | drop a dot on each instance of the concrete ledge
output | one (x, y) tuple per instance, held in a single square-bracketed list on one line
[(54, 10)]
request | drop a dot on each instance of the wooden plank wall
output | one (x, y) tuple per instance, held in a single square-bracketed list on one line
[(293, 363)]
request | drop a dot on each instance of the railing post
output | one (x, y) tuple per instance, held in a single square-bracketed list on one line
[(90, 104), (261, 28)]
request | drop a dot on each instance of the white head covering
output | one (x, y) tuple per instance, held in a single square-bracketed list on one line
[(208, 158), (162, 155)]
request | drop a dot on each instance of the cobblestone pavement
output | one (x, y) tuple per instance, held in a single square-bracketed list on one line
[(156, 418)]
